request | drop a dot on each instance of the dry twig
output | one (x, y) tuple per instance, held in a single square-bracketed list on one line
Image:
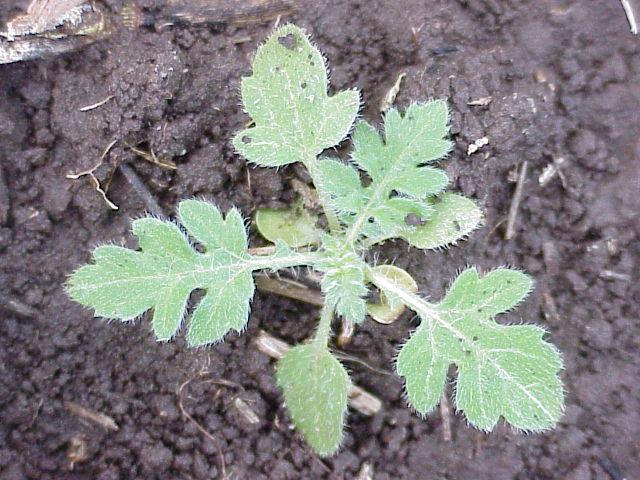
[(510, 231), (346, 333), (289, 289), (480, 102), (142, 191), (96, 105), (351, 358), (77, 451), (94, 179), (105, 421), (151, 157), (611, 468), (392, 93), (365, 472), (445, 413), (631, 16), (16, 306), (4, 198)]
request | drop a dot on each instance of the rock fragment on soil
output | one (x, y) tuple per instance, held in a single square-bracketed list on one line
[(477, 145)]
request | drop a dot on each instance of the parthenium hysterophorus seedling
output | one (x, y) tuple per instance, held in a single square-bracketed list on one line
[(507, 371)]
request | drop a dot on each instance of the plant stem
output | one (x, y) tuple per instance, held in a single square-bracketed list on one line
[(423, 308), (321, 338), (276, 263), (427, 311)]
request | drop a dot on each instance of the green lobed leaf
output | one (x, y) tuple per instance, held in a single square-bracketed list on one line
[(503, 370), (295, 226), (453, 218), (286, 96), (343, 280), (123, 283), (401, 183), (315, 387)]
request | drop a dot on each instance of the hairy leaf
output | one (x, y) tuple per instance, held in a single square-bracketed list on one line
[(294, 226), (343, 282), (286, 96), (123, 283), (401, 183), (315, 387), (503, 370), (453, 218)]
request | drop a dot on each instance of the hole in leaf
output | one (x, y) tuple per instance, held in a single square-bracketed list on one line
[(413, 220), (374, 296), (246, 139), (456, 226), (312, 64), (475, 338), (289, 41), (310, 56), (303, 85)]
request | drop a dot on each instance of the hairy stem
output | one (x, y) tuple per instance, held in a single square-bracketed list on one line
[(277, 263), (426, 310), (423, 308), (321, 338)]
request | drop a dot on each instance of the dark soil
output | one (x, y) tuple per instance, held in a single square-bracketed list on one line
[(565, 81)]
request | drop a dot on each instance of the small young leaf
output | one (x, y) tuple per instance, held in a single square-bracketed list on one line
[(453, 218), (390, 308), (400, 181), (315, 387), (123, 283), (343, 282), (503, 370), (294, 226), (295, 119)]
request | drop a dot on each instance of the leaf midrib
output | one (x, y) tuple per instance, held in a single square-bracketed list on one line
[(248, 265), (429, 313), (381, 189)]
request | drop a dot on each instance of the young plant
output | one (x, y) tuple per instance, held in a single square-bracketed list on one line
[(507, 371)]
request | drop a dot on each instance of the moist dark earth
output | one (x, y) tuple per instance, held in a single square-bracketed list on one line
[(564, 79)]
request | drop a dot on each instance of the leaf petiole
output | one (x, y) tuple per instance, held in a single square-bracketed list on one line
[(411, 300), (323, 332)]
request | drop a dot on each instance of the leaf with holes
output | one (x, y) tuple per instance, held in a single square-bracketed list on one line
[(390, 187), (401, 182), (123, 283), (315, 387), (453, 218), (286, 96), (503, 370)]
